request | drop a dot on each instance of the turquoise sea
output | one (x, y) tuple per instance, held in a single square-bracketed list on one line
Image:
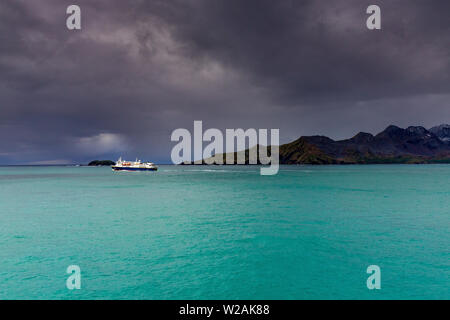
[(218, 232)]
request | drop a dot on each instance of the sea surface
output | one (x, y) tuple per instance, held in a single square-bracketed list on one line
[(216, 232)]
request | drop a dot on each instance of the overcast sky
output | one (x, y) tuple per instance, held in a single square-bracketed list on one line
[(140, 69)]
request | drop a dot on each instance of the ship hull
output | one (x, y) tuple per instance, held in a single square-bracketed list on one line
[(133, 169)]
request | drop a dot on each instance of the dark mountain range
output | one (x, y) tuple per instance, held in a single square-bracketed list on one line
[(393, 145)]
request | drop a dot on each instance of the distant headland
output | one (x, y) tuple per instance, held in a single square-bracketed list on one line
[(414, 144)]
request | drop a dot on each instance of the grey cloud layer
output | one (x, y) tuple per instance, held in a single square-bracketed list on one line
[(140, 69)]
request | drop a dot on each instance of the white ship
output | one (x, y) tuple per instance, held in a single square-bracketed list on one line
[(138, 165)]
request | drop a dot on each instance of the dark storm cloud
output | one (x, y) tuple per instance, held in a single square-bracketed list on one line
[(138, 70), (313, 48)]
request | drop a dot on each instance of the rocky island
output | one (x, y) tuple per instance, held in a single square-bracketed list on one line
[(96, 163)]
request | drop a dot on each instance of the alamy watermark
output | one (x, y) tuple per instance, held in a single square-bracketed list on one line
[(374, 20), (73, 21), (258, 150), (74, 280), (374, 280)]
